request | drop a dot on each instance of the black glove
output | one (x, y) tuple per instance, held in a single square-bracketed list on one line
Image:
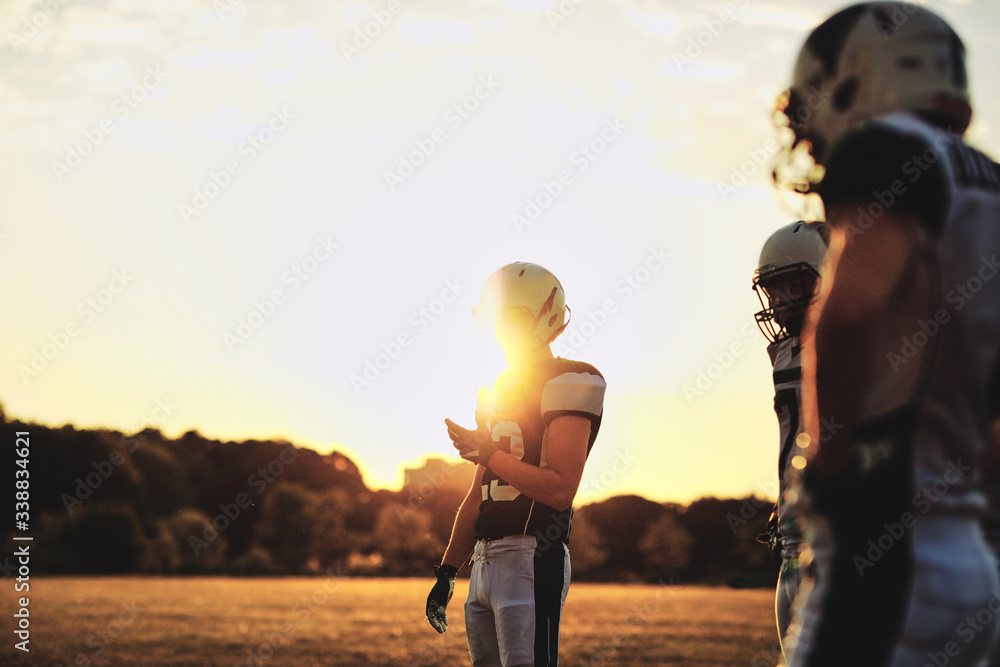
[(773, 537), (440, 596)]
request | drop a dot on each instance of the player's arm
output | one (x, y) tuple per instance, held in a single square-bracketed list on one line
[(566, 438), (870, 269), (882, 222), (463, 537), (459, 547)]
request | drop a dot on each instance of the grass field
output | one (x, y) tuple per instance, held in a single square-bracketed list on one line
[(344, 621)]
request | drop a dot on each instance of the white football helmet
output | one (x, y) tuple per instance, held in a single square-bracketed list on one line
[(786, 275), (865, 61), (530, 289)]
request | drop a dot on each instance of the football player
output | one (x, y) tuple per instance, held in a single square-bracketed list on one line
[(785, 282), (533, 434), (899, 349)]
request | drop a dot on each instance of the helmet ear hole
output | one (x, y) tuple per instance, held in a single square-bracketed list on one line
[(845, 94)]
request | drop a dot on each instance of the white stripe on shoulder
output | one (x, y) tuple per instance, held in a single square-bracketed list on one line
[(578, 392)]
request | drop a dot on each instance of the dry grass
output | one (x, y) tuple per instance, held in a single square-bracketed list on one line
[(340, 621)]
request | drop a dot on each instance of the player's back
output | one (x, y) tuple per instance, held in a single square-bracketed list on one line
[(898, 548), (938, 338), (964, 333)]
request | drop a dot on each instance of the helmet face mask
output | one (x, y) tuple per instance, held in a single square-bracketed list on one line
[(787, 277), (784, 295)]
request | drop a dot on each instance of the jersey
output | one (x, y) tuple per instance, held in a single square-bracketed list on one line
[(787, 375), (886, 535), (518, 415), (953, 190)]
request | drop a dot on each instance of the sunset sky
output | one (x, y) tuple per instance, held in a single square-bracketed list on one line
[(272, 219)]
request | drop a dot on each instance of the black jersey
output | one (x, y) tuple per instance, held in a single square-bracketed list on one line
[(522, 406)]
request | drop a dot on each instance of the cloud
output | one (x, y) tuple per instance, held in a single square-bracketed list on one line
[(661, 23), (430, 29), (797, 19), (702, 70)]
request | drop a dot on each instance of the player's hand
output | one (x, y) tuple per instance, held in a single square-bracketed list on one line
[(440, 596), (475, 446)]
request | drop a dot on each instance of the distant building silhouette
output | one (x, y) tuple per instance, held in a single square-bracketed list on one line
[(436, 475)]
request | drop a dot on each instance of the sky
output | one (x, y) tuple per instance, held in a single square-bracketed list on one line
[(272, 219)]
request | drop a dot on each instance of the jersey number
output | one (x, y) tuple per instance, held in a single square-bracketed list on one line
[(507, 436)]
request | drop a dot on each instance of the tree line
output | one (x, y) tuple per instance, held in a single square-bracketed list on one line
[(104, 502)]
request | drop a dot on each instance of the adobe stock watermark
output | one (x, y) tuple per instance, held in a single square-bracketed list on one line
[(768, 657), (888, 22), (577, 335), (430, 656), (922, 501), (914, 168), (607, 654), (248, 149), (454, 117), (295, 277), (968, 629), (624, 461), (563, 11), (752, 506), (121, 108), (40, 17), (258, 482), (223, 7), (712, 29), (86, 486), (303, 610), (419, 321), (957, 297), (109, 634), (722, 362), (760, 158), (88, 310), (365, 34), (418, 494), (740, 175), (585, 155)]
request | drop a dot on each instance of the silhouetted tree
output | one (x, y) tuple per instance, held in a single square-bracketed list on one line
[(287, 525), (103, 539), (201, 547), (666, 547), (588, 551), (406, 541)]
